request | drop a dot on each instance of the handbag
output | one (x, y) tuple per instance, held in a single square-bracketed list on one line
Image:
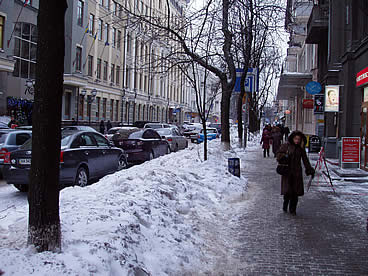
[(283, 166)]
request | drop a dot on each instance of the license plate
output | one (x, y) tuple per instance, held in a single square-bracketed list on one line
[(26, 161)]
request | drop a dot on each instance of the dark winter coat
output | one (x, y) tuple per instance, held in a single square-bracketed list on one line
[(108, 125), (265, 141), (276, 141), (292, 184), (102, 127)]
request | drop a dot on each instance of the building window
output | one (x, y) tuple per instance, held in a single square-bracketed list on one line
[(100, 26), (68, 100), (104, 108), (105, 70), (127, 77), (128, 43), (106, 32), (101, 2), (25, 48), (99, 68), (90, 66), (112, 73), (91, 26), (98, 103), (118, 40), (117, 74), (113, 37), (117, 111), (81, 108), (115, 8), (111, 110), (107, 4), (80, 12), (78, 59), (2, 23)]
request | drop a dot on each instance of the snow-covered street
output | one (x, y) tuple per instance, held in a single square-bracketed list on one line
[(145, 220)]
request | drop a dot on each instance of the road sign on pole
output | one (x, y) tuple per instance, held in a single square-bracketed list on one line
[(251, 82)]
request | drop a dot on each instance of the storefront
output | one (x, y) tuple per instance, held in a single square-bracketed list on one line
[(362, 84)]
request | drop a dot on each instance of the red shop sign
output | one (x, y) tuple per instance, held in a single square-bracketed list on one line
[(362, 77), (350, 150), (308, 103)]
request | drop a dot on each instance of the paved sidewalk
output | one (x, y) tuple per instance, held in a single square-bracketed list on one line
[(327, 237)]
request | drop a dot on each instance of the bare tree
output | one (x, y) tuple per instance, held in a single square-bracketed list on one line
[(43, 197)]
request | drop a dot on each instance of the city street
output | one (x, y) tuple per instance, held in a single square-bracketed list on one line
[(327, 237)]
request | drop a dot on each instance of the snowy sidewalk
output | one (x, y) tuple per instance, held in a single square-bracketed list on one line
[(327, 237)]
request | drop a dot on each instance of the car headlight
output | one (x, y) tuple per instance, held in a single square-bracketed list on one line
[(13, 161)]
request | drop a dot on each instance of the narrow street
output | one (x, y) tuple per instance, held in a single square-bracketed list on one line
[(325, 238)]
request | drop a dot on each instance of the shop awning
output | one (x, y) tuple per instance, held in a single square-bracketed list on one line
[(292, 85), (6, 65)]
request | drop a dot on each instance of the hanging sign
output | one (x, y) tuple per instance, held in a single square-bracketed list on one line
[(313, 87), (350, 152), (319, 103), (308, 103), (332, 98), (362, 77)]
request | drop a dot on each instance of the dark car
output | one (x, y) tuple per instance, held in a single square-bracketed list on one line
[(11, 140), (176, 140), (141, 145), (84, 156)]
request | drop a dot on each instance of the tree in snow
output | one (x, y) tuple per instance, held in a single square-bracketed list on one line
[(43, 197)]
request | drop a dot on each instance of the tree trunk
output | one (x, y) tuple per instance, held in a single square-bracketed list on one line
[(44, 221), (225, 115), (254, 122), (239, 108), (205, 147)]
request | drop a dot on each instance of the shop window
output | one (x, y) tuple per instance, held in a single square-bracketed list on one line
[(25, 49), (67, 104), (81, 108), (104, 101), (111, 110)]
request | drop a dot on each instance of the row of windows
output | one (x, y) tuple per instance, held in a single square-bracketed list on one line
[(114, 70), (101, 113), (103, 32)]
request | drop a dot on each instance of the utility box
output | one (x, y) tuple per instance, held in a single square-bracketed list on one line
[(234, 166)]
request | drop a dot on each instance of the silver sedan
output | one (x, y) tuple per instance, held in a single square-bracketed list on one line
[(176, 140)]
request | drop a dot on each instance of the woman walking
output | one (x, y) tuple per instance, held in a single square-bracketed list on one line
[(266, 137), (276, 140), (292, 153)]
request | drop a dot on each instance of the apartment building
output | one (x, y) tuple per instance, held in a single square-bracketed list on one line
[(107, 73), (298, 70)]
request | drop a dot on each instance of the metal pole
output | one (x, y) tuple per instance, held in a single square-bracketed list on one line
[(77, 105)]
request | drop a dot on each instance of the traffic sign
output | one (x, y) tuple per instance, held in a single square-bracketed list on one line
[(251, 82)]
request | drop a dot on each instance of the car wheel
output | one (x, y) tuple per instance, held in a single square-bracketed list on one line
[(186, 144), (176, 147), (151, 156), (122, 164), (21, 188), (81, 178)]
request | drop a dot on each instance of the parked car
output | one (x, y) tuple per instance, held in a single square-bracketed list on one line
[(141, 145), (11, 140), (24, 128), (112, 131), (84, 156), (80, 128), (175, 139), (192, 131), (4, 125), (211, 134), (157, 125), (216, 126)]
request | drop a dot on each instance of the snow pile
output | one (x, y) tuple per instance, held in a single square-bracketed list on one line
[(140, 221)]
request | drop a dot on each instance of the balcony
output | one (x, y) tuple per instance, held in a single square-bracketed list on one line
[(317, 24)]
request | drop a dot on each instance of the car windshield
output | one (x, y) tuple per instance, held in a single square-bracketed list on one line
[(112, 130), (136, 135), (125, 133), (154, 126), (164, 131), (209, 131), (3, 137), (65, 138)]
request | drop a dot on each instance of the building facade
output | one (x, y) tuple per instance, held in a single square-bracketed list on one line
[(298, 70), (108, 71)]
